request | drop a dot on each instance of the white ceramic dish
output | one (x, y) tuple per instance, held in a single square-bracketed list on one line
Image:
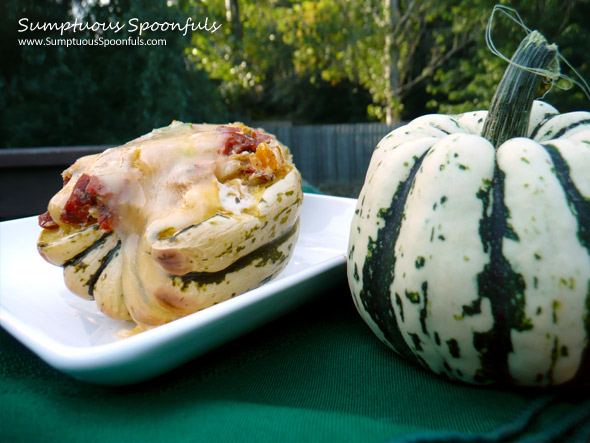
[(72, 335)]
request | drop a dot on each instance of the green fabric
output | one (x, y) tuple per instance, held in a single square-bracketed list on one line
[(308, 187), (316, 374)]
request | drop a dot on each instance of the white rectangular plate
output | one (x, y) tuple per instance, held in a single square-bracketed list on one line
[(72, 335)]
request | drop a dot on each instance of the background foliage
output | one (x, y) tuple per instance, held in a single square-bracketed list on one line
[(323, 61)]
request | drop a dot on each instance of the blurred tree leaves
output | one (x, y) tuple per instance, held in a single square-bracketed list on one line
[(258, 70), (469, 82), (387, 46), (57, 95), (400, 58), (323, 61)]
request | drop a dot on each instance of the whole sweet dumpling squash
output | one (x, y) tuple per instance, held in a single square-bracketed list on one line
[(470, 246)]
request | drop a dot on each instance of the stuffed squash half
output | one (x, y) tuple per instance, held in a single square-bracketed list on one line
[(175, 221)]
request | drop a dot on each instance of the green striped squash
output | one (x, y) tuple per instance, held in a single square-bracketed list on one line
[(471, 257), (124, 277)]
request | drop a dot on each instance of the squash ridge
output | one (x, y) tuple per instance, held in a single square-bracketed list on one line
[(581, 209), (104, 262), (380, 261)]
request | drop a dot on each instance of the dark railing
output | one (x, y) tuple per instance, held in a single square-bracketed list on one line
[(29, 177), (326, 155), (332, 154)]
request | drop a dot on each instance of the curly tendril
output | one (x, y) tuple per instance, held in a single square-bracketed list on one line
[(553, 73)]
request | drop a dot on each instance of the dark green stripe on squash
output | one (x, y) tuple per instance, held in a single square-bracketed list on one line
[(541, 124), (502, 286), (424, 310), (77, 262), (580, 207), (104, 262), (563, 131), (264, 254), (569, 127), (77, 259), (378, 270)]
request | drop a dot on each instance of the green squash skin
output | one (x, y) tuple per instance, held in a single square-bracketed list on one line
[(514, 307), (265, 254), (581, 205), (380, 261), (502, 286), (103, 253), (104, 262), (269, 252)]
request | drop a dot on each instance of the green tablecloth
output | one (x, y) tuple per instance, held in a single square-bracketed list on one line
[(316, 374)]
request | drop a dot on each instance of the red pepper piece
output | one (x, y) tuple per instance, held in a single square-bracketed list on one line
[(47, 222), (86, 195), (238, 141)]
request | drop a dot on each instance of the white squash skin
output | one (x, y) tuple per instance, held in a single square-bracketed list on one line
[(472, 121), (108, 290), (399, 137), (366, 223), (581, 135), (452, 284), (170, 293), (539, 112), (142, 307), (204, 247), (444, 123), (453, 172), (390, 165), (556, 268), (57, 248), (577, 156), (553, 125)]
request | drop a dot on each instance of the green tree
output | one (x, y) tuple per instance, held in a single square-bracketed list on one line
[(57, 95), (417, 55), (469, 82), (307, 61), (388, 46), (256, 65)]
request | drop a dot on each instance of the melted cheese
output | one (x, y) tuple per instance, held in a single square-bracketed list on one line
[(165, 180)]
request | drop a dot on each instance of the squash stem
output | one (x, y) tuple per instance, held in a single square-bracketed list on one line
[(510, 109)]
